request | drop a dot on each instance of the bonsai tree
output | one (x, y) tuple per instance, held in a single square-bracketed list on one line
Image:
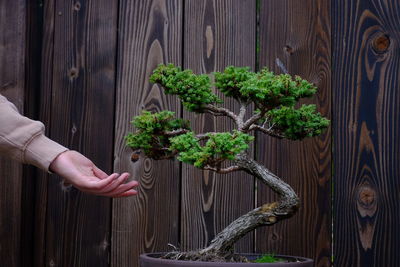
[(273, 99)]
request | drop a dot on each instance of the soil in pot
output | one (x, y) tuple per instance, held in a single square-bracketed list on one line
[(154, 260)]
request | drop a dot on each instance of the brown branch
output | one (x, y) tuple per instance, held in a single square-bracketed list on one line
[(218, 111), (267, 214), (240, 118), (214, 114), (253, 120), (223, 170), (175, 132), (268, 131)]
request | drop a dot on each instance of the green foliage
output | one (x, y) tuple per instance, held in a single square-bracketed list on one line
[(193, 90), (267, 258), (150, 135), (264, 88), (274, 96), (268, 90), (298, 123), (219, 147), (231, 80)]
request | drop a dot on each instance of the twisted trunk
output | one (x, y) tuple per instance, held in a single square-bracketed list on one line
[(267, 214)]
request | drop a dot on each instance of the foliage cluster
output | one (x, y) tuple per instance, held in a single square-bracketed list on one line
[(263, 88), (151, 134), (193, 90), (298, 123), (273, 96), (218, 148)]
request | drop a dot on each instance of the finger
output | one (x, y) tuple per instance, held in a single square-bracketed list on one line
[(117, 182), (99, 173), (96, 186), (122, 188), (126, 194)]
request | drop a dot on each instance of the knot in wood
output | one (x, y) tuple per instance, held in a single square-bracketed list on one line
[(288, 49), (77, 6), (274, 236), (381, 43), (135, 157), (147, 165), (366, 196), (73, 73)]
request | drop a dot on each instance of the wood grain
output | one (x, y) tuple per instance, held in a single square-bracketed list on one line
[(216, 34), (295, 36), (150, 33), (82, 111), (44, 113), (367, 127), (12, 83), (92, 48), (32, 176)]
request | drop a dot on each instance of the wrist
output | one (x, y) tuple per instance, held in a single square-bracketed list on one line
[(54, 165)]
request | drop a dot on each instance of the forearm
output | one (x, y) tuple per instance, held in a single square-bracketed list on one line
[(23, 139)]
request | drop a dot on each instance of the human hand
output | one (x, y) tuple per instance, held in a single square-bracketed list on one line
[(81, 172)]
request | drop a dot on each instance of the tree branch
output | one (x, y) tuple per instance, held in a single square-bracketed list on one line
[(218, 111), (253, 120), (268, 131), (175, 132), (241, 116), (267, 214), (223, 170)]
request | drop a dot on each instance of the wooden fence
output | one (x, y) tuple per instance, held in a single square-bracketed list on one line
[(82, 67)]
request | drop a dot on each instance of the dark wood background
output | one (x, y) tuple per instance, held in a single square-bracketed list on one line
[(82, 67)]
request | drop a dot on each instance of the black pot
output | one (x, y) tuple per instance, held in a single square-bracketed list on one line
[(153, 260)]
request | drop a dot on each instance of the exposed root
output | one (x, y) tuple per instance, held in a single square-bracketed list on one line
[(197, 256)]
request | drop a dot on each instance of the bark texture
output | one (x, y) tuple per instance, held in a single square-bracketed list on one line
[(267, 214)]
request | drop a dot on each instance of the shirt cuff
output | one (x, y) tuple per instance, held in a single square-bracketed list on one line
[(41, 152)]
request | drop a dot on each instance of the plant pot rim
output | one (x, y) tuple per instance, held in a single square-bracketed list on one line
[(154, 257)]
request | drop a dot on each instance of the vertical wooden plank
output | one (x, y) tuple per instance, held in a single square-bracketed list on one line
[(150, 33), (295, 37), (12, 83), (367, 128), (33, 96), (78, 225), (43, 97), (216, 34), (45, 92)]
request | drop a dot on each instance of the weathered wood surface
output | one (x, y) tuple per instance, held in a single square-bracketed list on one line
[(150, 33), (216, 34), (12, 85), (366, 71), (82, 111), (295, 37), (44, 115), (95, 62), (32, 177)]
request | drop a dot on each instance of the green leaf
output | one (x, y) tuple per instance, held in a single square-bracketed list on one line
[(219, 146), (298, 123), (150, 132), (193, 90)]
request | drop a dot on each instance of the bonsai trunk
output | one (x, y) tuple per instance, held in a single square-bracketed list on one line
[(267, 214)]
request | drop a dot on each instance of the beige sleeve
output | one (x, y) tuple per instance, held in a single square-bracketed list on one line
[(23, 139)]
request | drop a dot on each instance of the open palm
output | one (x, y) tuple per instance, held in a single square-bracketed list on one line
[(83, 174)]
